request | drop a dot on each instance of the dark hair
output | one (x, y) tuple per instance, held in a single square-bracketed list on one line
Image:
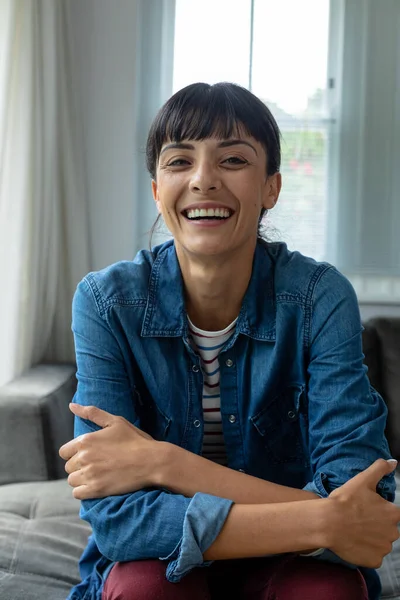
[(200, 111)]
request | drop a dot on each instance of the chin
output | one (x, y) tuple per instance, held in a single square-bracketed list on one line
[(206, 249)]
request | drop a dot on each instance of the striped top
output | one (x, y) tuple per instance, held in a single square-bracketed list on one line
[(208, 345)]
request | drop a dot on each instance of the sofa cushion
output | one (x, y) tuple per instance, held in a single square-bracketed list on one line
[(388, 332), (41, 540), (34, 422), (390, 569)]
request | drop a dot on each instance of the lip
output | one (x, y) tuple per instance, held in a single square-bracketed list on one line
[(208, 224)]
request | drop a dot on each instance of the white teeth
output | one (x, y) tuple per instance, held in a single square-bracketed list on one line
[(208, 212)]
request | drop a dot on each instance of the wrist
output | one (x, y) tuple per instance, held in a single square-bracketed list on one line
[(164, 459), (331, 522), (323, 523)]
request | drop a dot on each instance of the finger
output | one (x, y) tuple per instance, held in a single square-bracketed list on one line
[(92, 413), (81, 492), (75, 479), (68, 450), (374, 473), (72, 464)]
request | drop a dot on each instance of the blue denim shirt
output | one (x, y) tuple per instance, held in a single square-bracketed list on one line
[(297, 408)]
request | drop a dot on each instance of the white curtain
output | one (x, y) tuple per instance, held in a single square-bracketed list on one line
[(44, 246)]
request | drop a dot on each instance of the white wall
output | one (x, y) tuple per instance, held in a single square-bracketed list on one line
[(104, 75), (122, 71)]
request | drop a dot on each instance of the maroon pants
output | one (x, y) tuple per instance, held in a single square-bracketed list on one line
[(286, 577)]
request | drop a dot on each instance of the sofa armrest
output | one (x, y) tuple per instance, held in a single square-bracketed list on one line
[(388, 350), (34, 422)]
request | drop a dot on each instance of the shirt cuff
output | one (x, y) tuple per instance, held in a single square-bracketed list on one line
[(317, 486), (204, 519)]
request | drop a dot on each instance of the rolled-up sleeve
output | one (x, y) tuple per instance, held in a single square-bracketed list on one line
[(149, 523), (199, 532), (347, 417), (156, 524)]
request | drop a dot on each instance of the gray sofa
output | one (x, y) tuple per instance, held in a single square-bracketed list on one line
[(41, 535)]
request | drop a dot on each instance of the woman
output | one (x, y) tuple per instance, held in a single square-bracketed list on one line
[(225, 407)]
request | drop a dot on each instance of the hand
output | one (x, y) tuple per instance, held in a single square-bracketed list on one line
[(117, 459), (364, 525)]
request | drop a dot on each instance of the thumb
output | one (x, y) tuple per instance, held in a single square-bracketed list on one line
[(92, 413), (374, 473)]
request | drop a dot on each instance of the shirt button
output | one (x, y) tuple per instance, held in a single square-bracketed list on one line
[(195, 369), (291, 414), (229, 363), (232, 419), (196, 423)]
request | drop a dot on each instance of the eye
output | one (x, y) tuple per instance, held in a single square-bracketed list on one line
[(178, 162), (235, 160)]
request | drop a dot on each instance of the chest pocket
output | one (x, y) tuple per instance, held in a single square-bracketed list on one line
[(151, 418), (279, 427)]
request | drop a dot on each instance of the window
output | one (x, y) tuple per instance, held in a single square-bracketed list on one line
[(284, 61)]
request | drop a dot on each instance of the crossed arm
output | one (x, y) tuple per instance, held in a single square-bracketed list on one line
[(121, 458), (266, 518)]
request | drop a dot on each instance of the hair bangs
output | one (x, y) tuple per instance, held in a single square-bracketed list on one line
[(211, 116), (222, 110)]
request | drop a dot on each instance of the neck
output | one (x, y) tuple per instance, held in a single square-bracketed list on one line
[(215, 287)]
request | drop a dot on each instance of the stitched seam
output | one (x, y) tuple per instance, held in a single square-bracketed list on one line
[(294, 298), (14, 560), (37, 576), (154, 277), (116, 300), (308, 305), (92, 287), (190, 388), (41, 444), (32, 512)]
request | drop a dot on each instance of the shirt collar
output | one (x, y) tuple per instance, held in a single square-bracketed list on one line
[(165, 314)]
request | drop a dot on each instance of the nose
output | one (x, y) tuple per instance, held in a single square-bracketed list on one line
[(205, 179)]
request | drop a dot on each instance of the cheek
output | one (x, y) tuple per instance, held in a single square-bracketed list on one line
[(252, 199), (170, 190)]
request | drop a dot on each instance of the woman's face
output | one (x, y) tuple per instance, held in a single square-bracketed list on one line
[(211, 192)]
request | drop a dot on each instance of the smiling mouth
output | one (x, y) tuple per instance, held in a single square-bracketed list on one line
[(197, 214)]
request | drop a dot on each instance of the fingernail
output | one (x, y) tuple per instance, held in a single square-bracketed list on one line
[(392, 460)]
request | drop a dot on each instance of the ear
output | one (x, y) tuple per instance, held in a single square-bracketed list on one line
[(272, 190), (154, 189)]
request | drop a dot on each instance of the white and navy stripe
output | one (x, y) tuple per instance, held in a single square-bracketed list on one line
[(208, 345)]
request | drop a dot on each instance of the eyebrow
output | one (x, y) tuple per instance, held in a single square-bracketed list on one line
[(223, 144)]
